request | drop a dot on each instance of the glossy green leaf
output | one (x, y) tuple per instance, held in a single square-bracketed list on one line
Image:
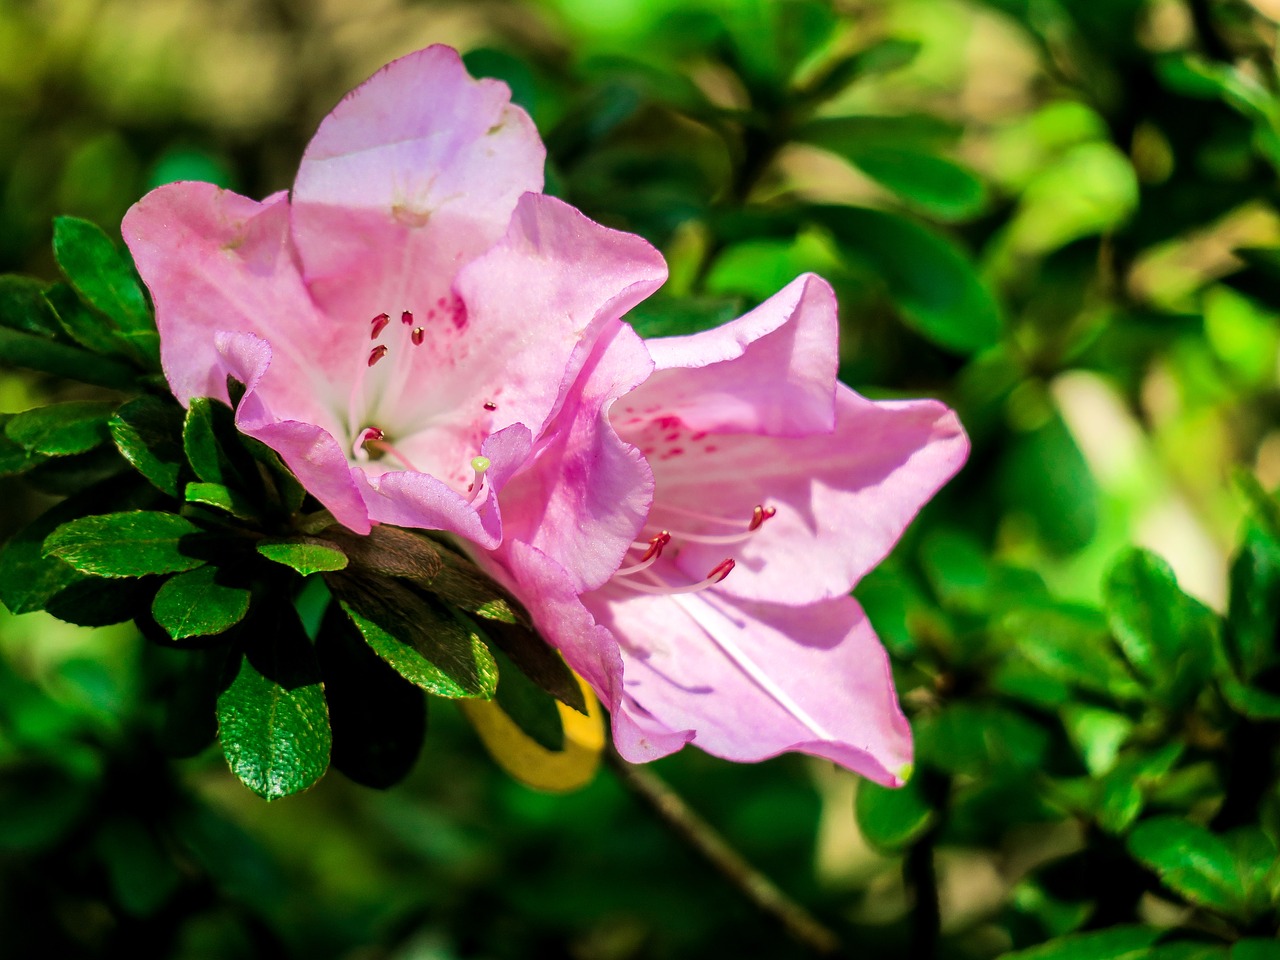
[(213, 447), (1116, 943), (969, 737), (933, 185), (221, 498), (1123, 792), (379, 719), (23, 307), (148, 433), (1045, 476), (1167, 636), (847, 135), (60, 429), (879, 58), (892, 819), (87, 327), (272, 720), (29, 578), (1191, 861), (130, 544), (934, 286), (63, 360), (438, 654), (199, 604), (307, 555), (106, 280)]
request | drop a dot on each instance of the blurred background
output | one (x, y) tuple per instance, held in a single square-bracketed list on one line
[(1058, 216)]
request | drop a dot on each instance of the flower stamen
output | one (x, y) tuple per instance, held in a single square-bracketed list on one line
[(660, 587), (377, 353), (653, 550), (379, 324), (480, 465), (406, 318), (417, 336)]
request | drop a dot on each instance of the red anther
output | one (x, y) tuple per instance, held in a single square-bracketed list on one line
[(406, 318), (373, 433), (656, 545), (379, 324), (721, 570), (490, 405), (759, 515), (377, 353), (417, 336)]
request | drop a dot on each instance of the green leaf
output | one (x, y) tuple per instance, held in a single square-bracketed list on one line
[(272, 719), (23, 307), (1250, 701), (130, 544), (929, 183), (71, 363), (221, 498), (213, 447), (973, 738), (892, 819), (882, 57), (99, 602), (1191, 861), (379, 719), (14, 458), (106, 280), (307, 555), (1167, 636), (425, 643), (530, 707), (934, 286), (1116, 943), (1097, 734), (1045, 476), (87, 327), (846, 135), (1254, 948), (1124, 790), (1253, 612), (148, 433), (199, 604), (60, 429), (535, 658), (1070, 643)]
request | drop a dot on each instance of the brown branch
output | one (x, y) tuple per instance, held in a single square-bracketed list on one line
[(759, 890)]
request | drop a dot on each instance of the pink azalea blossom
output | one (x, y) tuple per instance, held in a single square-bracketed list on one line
[(409, 317), (728, 622)]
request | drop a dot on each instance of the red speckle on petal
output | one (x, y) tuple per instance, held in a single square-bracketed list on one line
[(673, 435), (699, 435), (710, 448)]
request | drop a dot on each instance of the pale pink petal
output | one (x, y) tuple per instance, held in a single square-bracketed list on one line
[(584, 498), (842, 499), (754, 680), (536, 304), (407, 498), (216, 261), (413, 174), (771, 371), (313, 455)]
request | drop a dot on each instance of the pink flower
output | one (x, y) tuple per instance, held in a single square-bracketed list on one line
[(728, 622), (410, 316)]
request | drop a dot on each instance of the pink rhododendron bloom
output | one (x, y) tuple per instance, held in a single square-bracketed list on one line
[(728, 621), (409, 316)]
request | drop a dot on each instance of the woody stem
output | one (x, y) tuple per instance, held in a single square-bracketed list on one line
[(758, 889)]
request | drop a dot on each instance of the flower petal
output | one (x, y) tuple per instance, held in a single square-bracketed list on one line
[(216, 261), (536, 304), (407, 498), (754, 680), (584, 498), (311, 452), (413, 174), (772, 370), (843, 498)]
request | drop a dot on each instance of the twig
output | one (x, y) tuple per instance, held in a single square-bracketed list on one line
[(762, 893)]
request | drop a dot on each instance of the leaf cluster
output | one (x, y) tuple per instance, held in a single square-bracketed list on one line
[(201, 536)]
